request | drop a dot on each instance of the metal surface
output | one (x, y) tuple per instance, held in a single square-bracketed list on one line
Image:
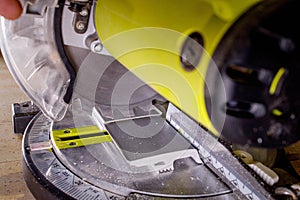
[(100, 171), (49, 171), (73, 38), (115, 144)]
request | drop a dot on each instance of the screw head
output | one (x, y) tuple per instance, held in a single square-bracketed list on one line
[(96, 47), (84, 13), (80, 25)]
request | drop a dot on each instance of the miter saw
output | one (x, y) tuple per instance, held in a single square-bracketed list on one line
[(156, 99)]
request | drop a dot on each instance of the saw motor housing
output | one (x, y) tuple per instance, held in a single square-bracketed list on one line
[(155, 93), (232, 67), (237, 62)]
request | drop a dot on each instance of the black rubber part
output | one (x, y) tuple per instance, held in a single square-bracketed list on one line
[(61, 49)]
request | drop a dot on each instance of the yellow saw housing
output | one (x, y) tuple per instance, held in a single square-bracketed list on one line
[(148, 38)]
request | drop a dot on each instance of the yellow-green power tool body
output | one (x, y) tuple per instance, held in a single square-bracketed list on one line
[(225, 63)]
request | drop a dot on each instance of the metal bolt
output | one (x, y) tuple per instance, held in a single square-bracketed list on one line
[(67, 131), (96, 46), (285, 192), (72, 143), (84, 12), (80, 25), (296, 188)]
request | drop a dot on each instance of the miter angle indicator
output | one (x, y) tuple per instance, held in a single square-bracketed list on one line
[(52, 173), (80, 136)]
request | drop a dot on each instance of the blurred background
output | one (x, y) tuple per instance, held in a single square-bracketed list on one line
[(12, 184)]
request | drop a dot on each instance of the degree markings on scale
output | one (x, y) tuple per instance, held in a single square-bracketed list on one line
[(54, 171), (78, 188), (209, 158)]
